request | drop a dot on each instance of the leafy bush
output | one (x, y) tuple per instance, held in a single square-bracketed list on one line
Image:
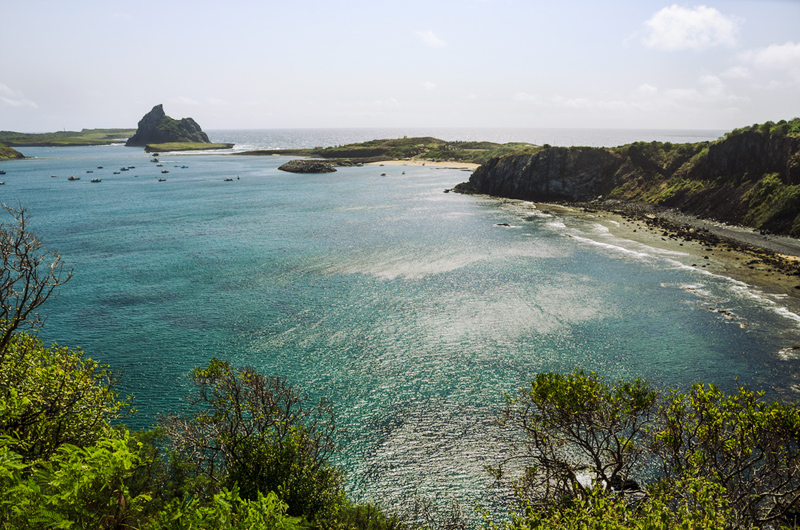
[(724, 460), (83, 487), (577, 432), (226, 511), (54, 396), (247, 429), (745, 445)]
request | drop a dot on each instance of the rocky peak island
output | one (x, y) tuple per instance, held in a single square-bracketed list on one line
[(158, 132)]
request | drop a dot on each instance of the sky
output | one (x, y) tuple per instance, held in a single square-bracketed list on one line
[(237, 64)]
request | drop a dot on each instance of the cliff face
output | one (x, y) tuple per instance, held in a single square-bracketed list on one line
[(158, 128), (751, 177), (550, 174)]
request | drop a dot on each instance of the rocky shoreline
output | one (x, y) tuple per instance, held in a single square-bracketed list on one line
[(769, 262), (766, 261)]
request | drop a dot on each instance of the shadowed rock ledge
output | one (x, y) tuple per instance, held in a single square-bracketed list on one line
[(307, 166)]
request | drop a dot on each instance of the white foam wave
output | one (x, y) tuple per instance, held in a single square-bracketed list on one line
[(762, 299), (615, 248), (789, 354)]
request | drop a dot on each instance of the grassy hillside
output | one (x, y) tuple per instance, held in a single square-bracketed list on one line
[(8, 153), (423, 148), (66, 138), (749, 177), (184, 146)]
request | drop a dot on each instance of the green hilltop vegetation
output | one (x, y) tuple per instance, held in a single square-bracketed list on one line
[(8, 153), (249, 451), (184, 146), (749, 177), (421, 148), (66, 138)]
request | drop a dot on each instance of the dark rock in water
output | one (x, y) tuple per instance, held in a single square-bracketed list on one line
[(619, 484), (467, 188), (307, 166), (158, 128)]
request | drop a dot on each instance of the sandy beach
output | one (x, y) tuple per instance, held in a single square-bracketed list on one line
[(414, 162)]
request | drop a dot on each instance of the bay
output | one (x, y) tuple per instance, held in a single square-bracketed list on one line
[(411, 309)]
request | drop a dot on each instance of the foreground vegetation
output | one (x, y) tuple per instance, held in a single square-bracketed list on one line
[(420, 148), (66, 138), (250, 451)]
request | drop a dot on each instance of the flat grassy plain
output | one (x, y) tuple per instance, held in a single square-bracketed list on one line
[(66, 138)]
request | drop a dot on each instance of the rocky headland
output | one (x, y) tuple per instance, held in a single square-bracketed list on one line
[(735, 201), (751, 177), (158, 128)]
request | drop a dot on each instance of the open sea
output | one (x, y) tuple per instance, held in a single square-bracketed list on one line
[(413, 310)]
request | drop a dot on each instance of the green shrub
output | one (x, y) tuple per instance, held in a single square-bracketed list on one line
[(259, 433), (54, 396)]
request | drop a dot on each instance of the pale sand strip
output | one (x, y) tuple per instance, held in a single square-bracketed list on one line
[(414, 162)]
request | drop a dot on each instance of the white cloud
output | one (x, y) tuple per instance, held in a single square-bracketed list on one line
[(15, 98), (430, 39), (736, 72), (428, 85), (186, 100), (646, 90), (390, 103), (524, 96), (782, 58), (573, 103), (680, 28)]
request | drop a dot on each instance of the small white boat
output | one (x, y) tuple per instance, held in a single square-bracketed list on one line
[(95, 180)]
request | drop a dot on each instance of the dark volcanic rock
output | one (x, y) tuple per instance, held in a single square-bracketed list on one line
[(551, 174), (158, 128), (750, 177), (307, 166)]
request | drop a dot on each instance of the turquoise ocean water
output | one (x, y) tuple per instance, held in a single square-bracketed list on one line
[(411, 309)]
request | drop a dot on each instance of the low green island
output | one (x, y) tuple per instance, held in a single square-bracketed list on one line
[(417, 148), (185, 146), (66, 138)]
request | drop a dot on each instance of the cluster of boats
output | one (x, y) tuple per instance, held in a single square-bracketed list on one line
[(127, 168)]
